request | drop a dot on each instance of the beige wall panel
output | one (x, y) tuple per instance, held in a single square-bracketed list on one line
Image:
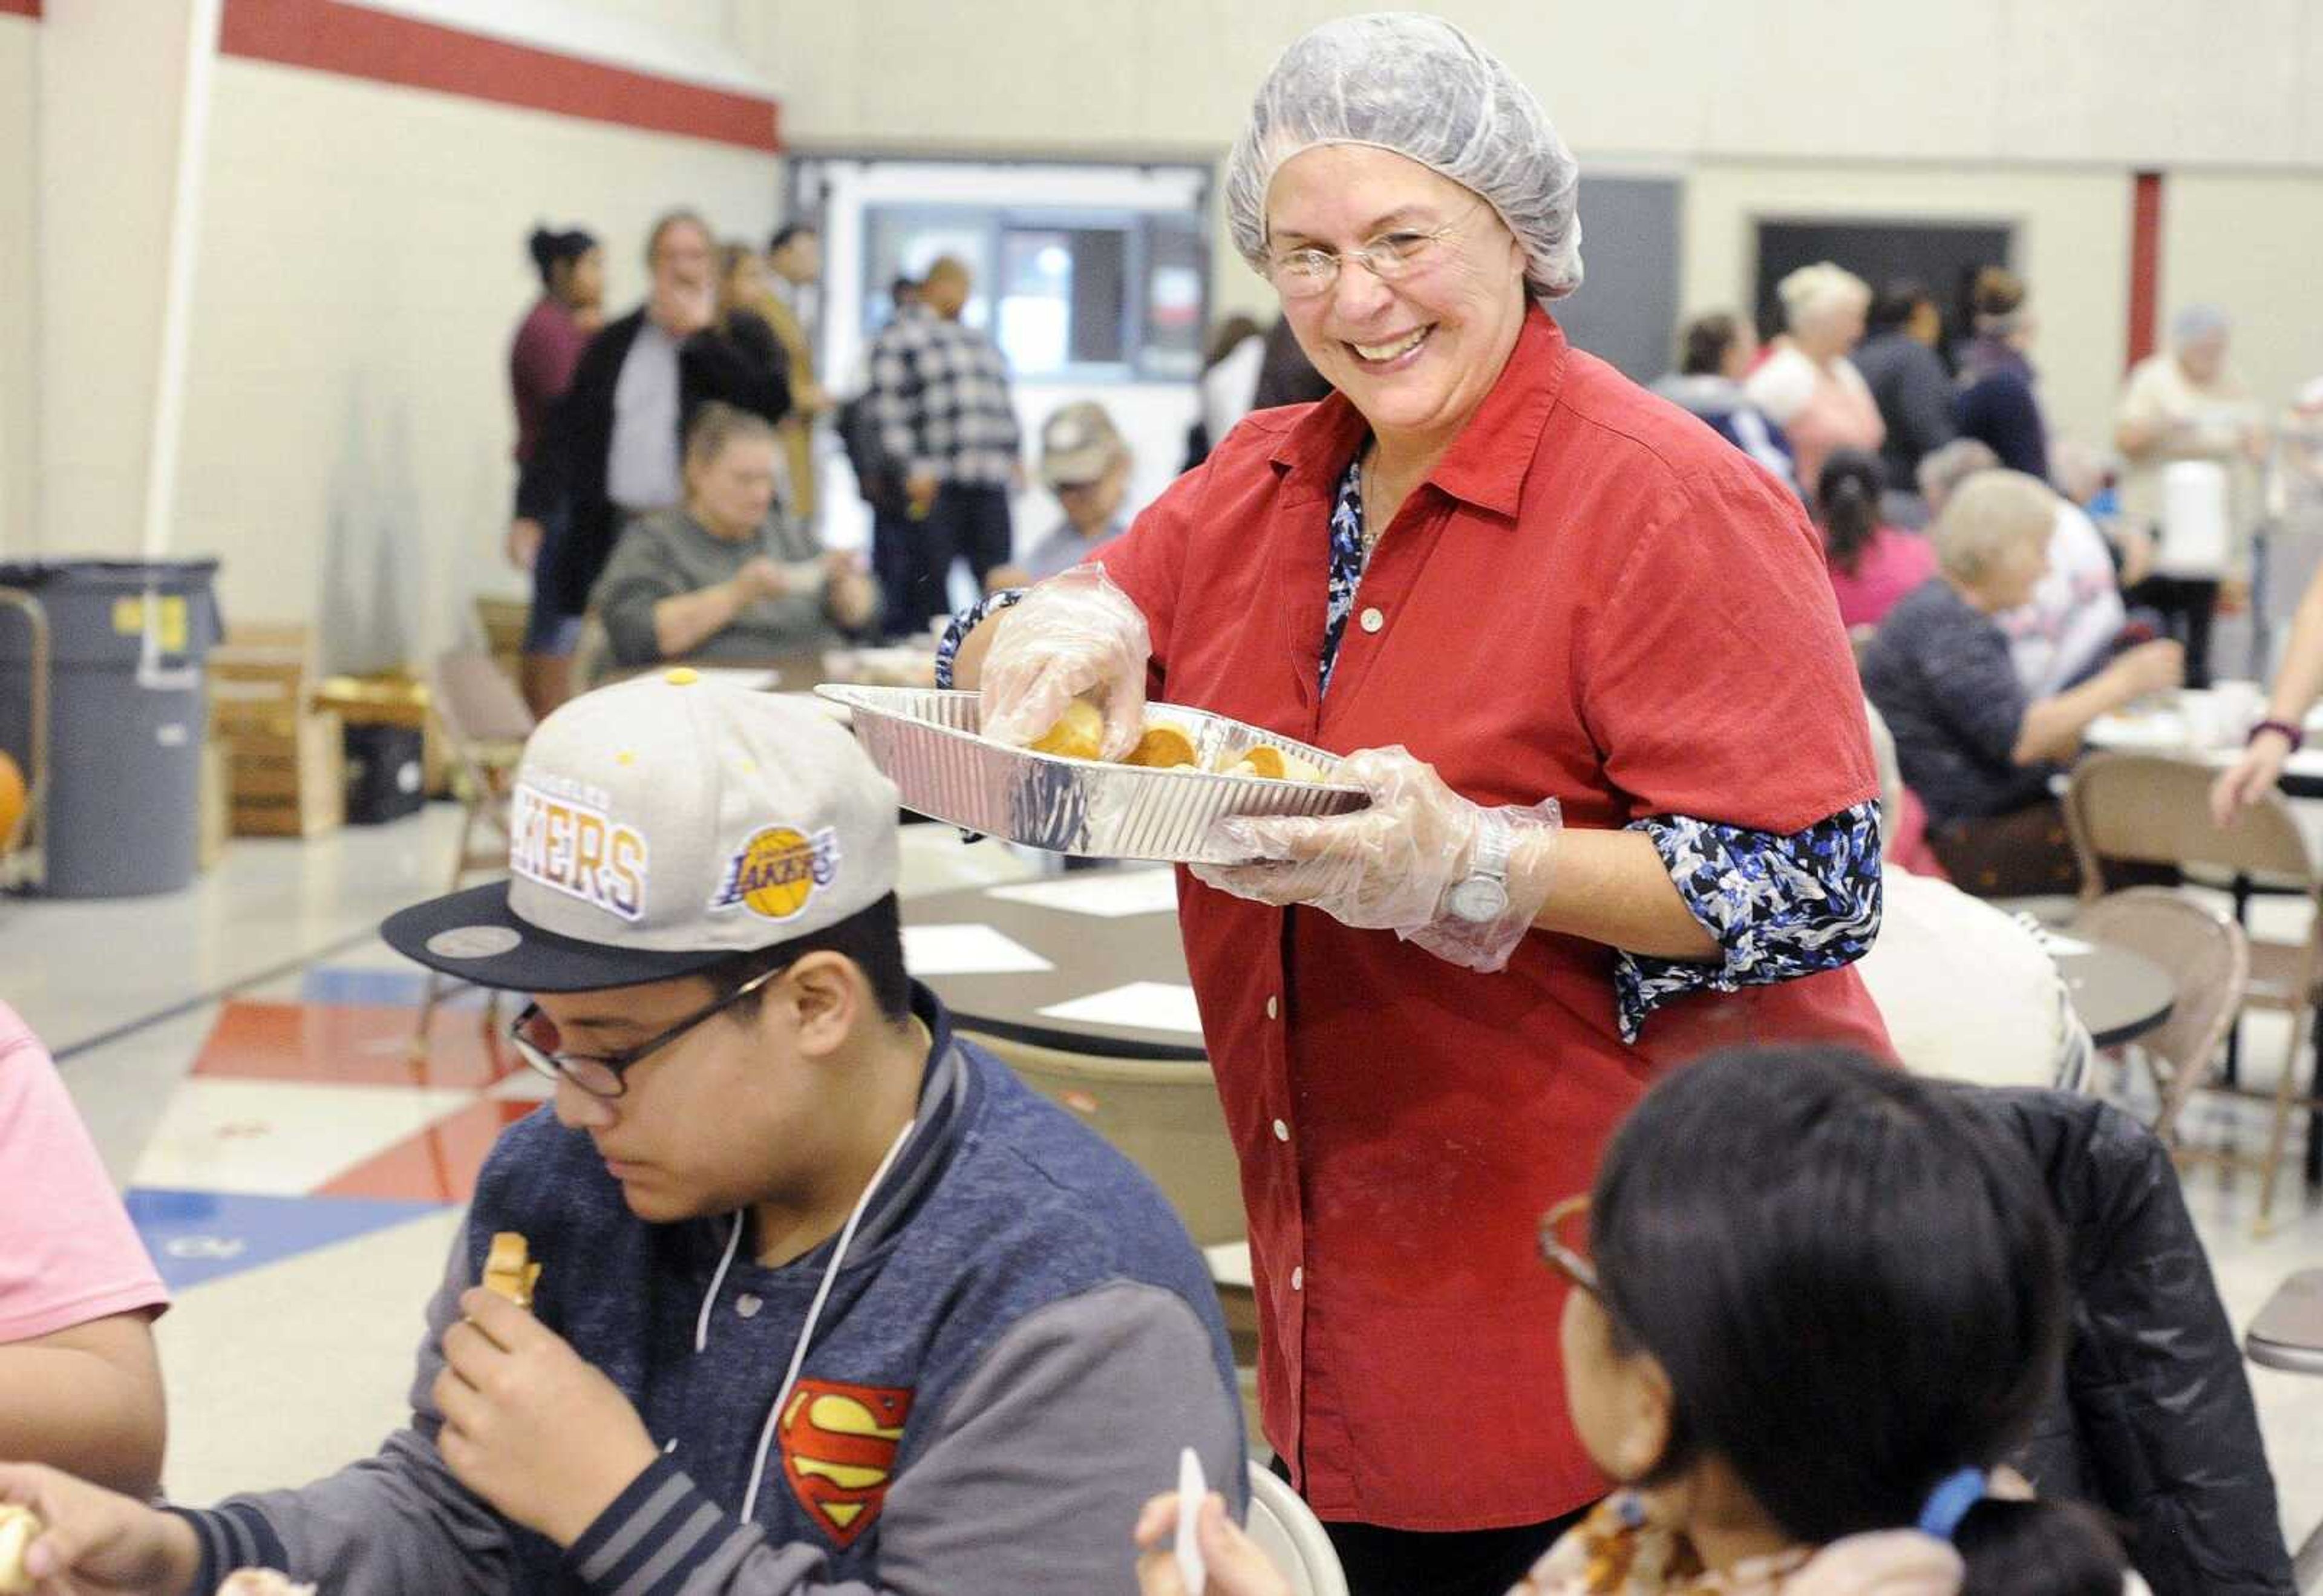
[(2072, 234), (19, 286), (2157, 85), (2250, 244), (111, 82), (2155, 82), (362, 270)]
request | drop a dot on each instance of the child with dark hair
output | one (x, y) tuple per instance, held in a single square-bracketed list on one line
[(1814, 1302), (1872, 564)]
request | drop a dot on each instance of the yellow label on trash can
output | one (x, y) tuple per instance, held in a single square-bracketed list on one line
[(169, 620)]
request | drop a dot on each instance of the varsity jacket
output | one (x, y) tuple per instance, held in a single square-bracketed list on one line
[(1017, 1344)]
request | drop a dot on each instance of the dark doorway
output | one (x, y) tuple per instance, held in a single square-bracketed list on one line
[(1941, 254)]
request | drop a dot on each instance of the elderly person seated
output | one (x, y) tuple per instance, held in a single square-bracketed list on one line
[(2064, 632), (1085, 464), (1977, 746), (726, 575), (1808, 385)]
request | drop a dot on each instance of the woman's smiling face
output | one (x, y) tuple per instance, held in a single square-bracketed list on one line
[(1417, 355)]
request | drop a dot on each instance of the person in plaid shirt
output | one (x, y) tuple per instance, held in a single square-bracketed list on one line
[(939, 397)]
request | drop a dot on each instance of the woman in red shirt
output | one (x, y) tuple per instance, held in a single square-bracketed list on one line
[(1584, 655)]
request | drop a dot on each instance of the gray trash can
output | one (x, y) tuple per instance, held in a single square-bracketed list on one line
[(126, 718)]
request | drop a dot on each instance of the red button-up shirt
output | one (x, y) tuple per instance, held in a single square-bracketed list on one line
[(1593, 598)]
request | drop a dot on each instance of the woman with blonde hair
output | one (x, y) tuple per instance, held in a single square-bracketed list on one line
[(727, 576), (1808, 385)]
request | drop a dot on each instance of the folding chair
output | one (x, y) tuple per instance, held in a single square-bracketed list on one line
[(2149, 810), (2209, 957), (485, 722)]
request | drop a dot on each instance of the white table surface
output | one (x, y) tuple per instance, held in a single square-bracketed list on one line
[(2159, 726)]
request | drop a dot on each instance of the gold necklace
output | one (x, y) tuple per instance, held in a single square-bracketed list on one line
[(1366, 477)]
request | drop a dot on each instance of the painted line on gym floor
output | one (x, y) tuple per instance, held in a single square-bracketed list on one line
[(354, 939)]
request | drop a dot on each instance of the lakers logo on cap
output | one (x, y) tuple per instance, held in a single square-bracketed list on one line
[(839, 1452), (776, 873)]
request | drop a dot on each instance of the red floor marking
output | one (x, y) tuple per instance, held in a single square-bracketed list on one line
[(437, 1165), (353, 1046)]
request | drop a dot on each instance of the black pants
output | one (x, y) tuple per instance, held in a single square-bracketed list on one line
[(964, 522), (894, 566), (2186, 607), (1439, 1563)]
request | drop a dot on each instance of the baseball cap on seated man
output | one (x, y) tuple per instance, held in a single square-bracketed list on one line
[(1079, 444), (657, 829)]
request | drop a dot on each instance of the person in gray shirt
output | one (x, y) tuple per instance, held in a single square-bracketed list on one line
[(726, 575)]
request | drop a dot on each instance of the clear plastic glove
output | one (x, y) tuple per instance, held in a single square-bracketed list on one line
[(1074, 636), (1392, 866)]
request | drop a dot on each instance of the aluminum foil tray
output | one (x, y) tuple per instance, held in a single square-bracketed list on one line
[(926, 741)]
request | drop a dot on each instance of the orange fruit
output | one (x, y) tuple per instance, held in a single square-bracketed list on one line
[(1162, 747), (12, 800), (1264, 760), (1079, 733)]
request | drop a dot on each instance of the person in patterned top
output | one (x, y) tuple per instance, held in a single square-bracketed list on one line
[(1757, 1205), (940, 398)]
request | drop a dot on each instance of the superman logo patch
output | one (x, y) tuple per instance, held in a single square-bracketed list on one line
[(839, 1452)]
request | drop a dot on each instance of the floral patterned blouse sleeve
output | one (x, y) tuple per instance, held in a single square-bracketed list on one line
[(966, 621), (1780, 906)]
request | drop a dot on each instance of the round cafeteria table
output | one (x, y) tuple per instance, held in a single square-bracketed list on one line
[(1090, 954), (2118, 994)]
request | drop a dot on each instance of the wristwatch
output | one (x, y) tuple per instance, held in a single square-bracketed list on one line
[(1481, 896)]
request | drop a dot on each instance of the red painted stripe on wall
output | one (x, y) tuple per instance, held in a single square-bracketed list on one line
[(31, 8), (355, 42), (2144, 265)]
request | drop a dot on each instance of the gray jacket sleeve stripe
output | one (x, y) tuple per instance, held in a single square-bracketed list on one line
[(655, 1536), (624, 1526), (678, 1554)]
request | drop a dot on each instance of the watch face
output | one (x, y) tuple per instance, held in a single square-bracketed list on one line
[(1479, 899)]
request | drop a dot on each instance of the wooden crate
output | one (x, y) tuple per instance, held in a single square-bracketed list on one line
[(261, 679), (289, 786)]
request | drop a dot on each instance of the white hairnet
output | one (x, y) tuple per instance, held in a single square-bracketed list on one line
[(1418, 86)]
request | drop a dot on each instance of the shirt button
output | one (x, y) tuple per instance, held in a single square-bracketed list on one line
[(747, 1305), (1373, 620), (1299, 1279), (1282, 1132), (1272, 1008)]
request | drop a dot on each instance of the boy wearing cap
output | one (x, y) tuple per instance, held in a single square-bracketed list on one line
[(828, 1300)]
